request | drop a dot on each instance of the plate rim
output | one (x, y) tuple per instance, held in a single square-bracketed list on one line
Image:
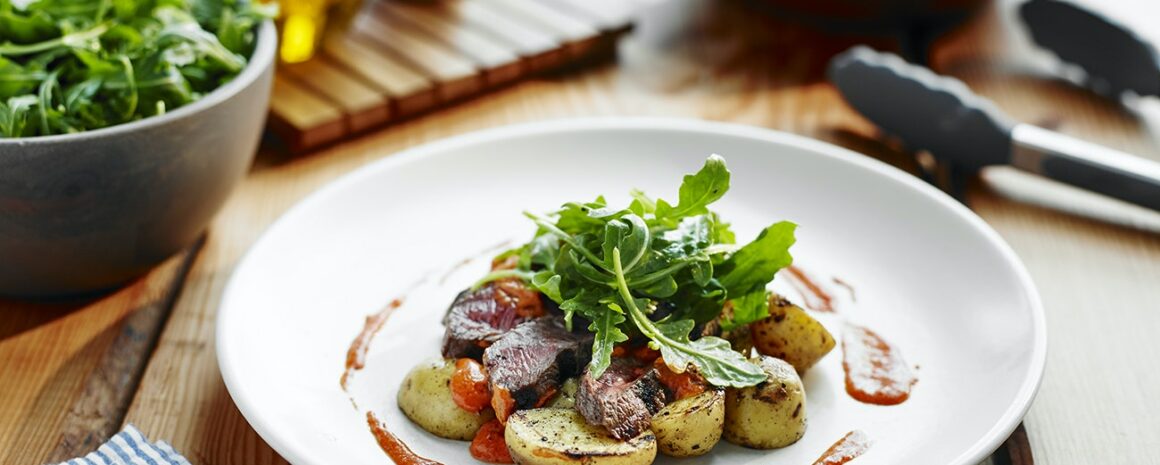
[(982, 448)]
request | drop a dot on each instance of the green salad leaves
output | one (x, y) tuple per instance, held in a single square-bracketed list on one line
[(74, 65), (657, 270)]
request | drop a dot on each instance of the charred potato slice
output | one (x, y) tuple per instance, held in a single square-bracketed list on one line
[(553, 436), (566, 397), (425, 398), (771, 414), (691, 426), (791, 334)]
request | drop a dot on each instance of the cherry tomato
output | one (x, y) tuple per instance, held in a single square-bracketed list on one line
[(489, 445), (682, 385), (469, 387)]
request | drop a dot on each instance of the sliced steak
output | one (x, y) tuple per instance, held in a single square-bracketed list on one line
[(623, 399), (478, 318), (530, 362)]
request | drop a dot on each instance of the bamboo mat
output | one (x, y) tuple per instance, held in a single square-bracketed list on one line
[(395, 59)]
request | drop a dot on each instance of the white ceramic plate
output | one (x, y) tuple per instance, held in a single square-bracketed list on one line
[(929, 275)]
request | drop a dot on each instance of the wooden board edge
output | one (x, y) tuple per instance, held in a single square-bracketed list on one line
[(98, 413)]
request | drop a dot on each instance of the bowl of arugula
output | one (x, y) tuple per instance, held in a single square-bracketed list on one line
[(124, 126)]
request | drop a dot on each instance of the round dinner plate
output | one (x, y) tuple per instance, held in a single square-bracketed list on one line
[(923, 272)]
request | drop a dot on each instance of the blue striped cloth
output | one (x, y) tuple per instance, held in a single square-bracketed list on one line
[(129, 447)]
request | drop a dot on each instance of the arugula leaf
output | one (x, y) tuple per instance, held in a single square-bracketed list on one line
[(575, 268), (541, 251), (576, 217), (722, 233), (615, 267), (714, 357), (548, 283), (608, 335), (698, 191), (691, 233), (14, 114), (642, 204), (585, 302), (575, 242), (754, 265), (26, 28), (18, 80), (629, 234), (662, 288), (747, 309)]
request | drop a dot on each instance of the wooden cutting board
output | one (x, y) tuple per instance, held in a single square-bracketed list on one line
[(395, 59)]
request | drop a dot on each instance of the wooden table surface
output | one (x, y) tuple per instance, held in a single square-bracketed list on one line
[(71, 373)]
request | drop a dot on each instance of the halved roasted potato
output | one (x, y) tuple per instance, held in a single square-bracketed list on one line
[(555, 436), (771, 414), (425, 398), (791, 334), (691, 426)]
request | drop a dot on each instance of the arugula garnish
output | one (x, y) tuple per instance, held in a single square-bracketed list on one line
[(74, 65), (713, 356), (616, 267)]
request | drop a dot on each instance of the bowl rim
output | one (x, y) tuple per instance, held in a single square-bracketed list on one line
[(261, 59)]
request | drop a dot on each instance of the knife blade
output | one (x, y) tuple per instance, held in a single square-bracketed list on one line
[(940, 114), (1115, 58)]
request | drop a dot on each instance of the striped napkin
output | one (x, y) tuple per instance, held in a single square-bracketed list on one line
[(129, 447)]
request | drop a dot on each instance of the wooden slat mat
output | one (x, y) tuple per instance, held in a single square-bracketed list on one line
[(399, 58)]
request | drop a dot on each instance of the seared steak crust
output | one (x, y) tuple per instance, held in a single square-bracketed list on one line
[(623, 399), (528, 364)]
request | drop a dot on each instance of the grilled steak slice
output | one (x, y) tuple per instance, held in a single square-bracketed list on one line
[(478, 318), (623, 399), (530, 362)]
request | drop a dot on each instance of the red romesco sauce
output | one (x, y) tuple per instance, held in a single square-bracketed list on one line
[(814, 295), (875, 371), (848, 448), (395, 449), (356, 355)]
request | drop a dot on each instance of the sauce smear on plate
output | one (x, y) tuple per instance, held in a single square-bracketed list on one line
[(814, 296), (395, 449), (849, 288), (852, 445), (875, 371), (356, 355)]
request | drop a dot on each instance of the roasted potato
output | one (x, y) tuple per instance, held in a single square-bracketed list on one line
[(691, 426), (555, 436), (566, 397), (771, 414), (425, 397), (791, 334), (741, 339)]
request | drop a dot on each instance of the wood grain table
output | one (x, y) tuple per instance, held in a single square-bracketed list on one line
[(72, 372)]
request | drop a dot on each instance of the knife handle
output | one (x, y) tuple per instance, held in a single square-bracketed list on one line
[(1086, 165)]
